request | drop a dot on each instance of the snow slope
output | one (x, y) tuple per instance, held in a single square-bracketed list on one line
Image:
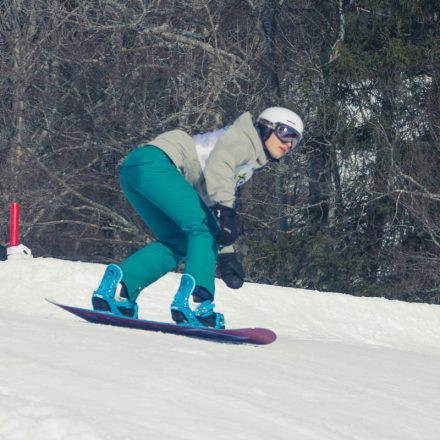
[(341, 368)]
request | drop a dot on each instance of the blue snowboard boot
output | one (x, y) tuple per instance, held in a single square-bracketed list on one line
[(204, 315), (104, 298)]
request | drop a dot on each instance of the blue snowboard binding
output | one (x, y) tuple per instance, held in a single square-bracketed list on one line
[(103, 298), (203, 316)]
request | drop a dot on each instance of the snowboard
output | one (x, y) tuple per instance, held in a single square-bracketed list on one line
[(258, 336)]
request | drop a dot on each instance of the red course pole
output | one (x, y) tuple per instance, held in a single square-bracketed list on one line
[(14, 224)]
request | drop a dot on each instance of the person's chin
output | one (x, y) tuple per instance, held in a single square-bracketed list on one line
[(277, 154)]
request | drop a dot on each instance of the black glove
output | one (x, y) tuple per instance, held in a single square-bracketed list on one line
[(227, 221), (231, 270)]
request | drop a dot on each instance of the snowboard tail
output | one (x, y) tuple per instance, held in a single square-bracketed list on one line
[(259, 336)]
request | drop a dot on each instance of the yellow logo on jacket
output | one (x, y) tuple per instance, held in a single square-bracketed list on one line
[(244, 173)]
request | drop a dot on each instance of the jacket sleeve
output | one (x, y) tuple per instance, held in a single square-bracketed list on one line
[(227, 249), (220, 179)]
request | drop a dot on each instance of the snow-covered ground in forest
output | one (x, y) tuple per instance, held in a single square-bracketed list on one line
[(342, 367)]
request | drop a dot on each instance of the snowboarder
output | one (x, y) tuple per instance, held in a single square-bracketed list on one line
[(184, 189)]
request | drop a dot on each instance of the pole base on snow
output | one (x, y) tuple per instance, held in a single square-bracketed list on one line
[(15, 250)]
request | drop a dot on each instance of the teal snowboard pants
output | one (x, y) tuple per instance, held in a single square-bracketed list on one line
[(183, 225)]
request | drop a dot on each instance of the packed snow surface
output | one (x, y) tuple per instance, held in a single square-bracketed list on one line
[(341, 368)]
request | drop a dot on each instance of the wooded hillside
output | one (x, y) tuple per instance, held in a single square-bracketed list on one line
[(356, 209)]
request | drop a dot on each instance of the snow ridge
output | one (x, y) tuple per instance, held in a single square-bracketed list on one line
[(342, 367)]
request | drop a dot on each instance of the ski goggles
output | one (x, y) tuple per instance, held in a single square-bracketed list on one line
[(287, 134)]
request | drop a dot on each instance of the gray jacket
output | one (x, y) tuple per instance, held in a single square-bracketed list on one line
[(216, 163)]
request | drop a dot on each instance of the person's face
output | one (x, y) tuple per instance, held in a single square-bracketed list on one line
[(276, 147)]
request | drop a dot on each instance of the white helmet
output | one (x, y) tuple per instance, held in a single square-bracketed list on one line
[(275, 116)]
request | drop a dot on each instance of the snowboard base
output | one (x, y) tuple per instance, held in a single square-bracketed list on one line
[(259, 336)]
